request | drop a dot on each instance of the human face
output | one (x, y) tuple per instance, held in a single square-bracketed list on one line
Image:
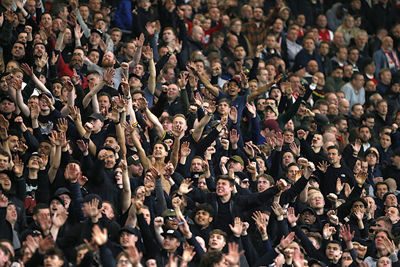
[(33, 162), (124, 262), (309, 45), (173, 92), (233, 88), (393, 214), (292, 171), (288, 137), (107, 210), (333, 252), (365, 134), (217, 242), (307, 217), (126, 239), (108, 60), (4, 162), (53, 261), (371, 159), (333, 156), (385, 141), (170, 243), (46, 20), (168, 36), (95, 5), (18, 50), (203, 219), (159, 151), (110, 159), (94, 38), (384, 262), (5, 182), (56, 207), (104, 102), (391, 201), (84, 10), (224, 188), (342, 126), (197, 165), (380, 240), (13, 143), (381, 190), (358, 82), (317, 201), (262, 184), (179, 124), (67, 200), (287, 158), (382, 109), (317, 141), (94, 57), (223, 108), (357, 111)]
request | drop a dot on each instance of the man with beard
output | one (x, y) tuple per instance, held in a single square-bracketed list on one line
[(109, 61), (74, 67), (256, 30)]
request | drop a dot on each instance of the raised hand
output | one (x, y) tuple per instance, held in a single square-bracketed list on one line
[(252, 109), (234, 137), (323, 166), (3, 200), (346, 234), (339, 186), (185, 188), (108, 75), (93, 209), (285, 242), (134, 255), (278, 210), (361, 177), (185, 149), (261, 222), (18, 167), (295, 149), (188, 254), (62, 125), (233, 114), (328, 231), (356, 146), (233, 255), (237, 226), (147, 52), (183, 79), (291, 217), (27, 69), (99, 236)]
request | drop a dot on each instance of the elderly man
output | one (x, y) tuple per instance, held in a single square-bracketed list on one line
[(386, 57)]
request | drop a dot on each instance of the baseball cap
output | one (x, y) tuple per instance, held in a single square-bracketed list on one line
[(168, 213), (129, 230), (96, 116), (58, 198), (238, 159), (99, 32), (272, 125), (173, 233), (61, 191)]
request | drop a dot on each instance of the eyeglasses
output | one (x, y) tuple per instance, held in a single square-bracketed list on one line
[(172, 218), (123, 261)]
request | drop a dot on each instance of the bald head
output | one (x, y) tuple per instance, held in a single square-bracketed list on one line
[(344, 106), (197, 33)]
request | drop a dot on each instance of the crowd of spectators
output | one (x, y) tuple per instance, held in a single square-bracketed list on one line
[(199, 133)]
